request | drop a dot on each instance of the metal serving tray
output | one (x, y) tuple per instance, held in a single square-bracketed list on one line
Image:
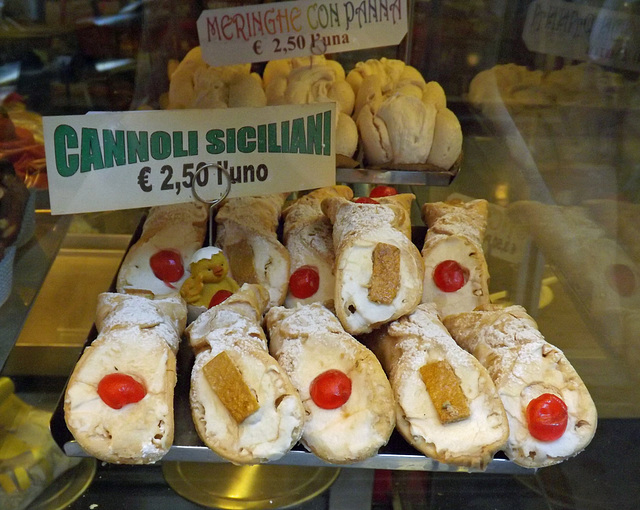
[(397, 454)]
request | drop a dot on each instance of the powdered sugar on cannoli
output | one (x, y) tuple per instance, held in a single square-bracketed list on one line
[(258, 417), (524, 366), (405, 347), (359, 230), (309, 341)]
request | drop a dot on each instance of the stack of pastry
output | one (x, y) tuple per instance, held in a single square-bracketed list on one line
[(196, 84), (315, 79), (401, 118)]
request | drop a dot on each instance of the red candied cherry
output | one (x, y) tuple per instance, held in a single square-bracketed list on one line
[(330, 389), (547, 417), (167, 265), (383, 191), (365, 200), (219, 297), (304, 282), (449, 276), (117, 390)]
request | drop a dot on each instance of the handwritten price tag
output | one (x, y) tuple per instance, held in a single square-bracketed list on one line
[(300, 28)]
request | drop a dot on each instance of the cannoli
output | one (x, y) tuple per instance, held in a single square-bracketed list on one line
[(619, 219), (307, 234), (119, 401), (243, 404), (378, 269), (155, 264), (601, 273), (456, 277), (247, 235), (550, 411), (346, 395), (447, 406)]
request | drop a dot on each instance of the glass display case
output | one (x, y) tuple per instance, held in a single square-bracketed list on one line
[(548, 99)]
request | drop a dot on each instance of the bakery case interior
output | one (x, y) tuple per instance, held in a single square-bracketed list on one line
[(525, 134)]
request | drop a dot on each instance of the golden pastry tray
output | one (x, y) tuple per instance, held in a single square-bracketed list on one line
[(397, 454)]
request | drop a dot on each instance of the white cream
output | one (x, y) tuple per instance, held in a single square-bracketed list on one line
[(464, 299), (266, 434), (357, 266)]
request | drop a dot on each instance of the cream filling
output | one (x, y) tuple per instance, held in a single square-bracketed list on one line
[(271, 269), (131, 431), (356, 266), (517, 395), (350, 430), (465, 298), (140, 275), (268, 433), (464, 437), (326, 286)]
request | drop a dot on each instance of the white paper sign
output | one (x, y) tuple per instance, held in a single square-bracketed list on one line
[(582, 32), (110, 161), (279, 30)]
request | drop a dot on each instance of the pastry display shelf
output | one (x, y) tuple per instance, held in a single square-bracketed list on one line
[(396, 177), (32, 263)]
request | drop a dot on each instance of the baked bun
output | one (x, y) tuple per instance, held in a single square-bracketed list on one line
[(196, 84), (401, 118)]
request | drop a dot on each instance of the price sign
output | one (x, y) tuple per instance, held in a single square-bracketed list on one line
[(279, 30), (110, 161), (577, 30)]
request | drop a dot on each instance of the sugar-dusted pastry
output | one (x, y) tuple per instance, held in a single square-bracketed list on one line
[(247, 235), (378, 269), (243, 404), (307, 235), (401, 118), (119, 401), (446, 403), (156, 262), (346, 395), (456, 277), (551, 414)]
